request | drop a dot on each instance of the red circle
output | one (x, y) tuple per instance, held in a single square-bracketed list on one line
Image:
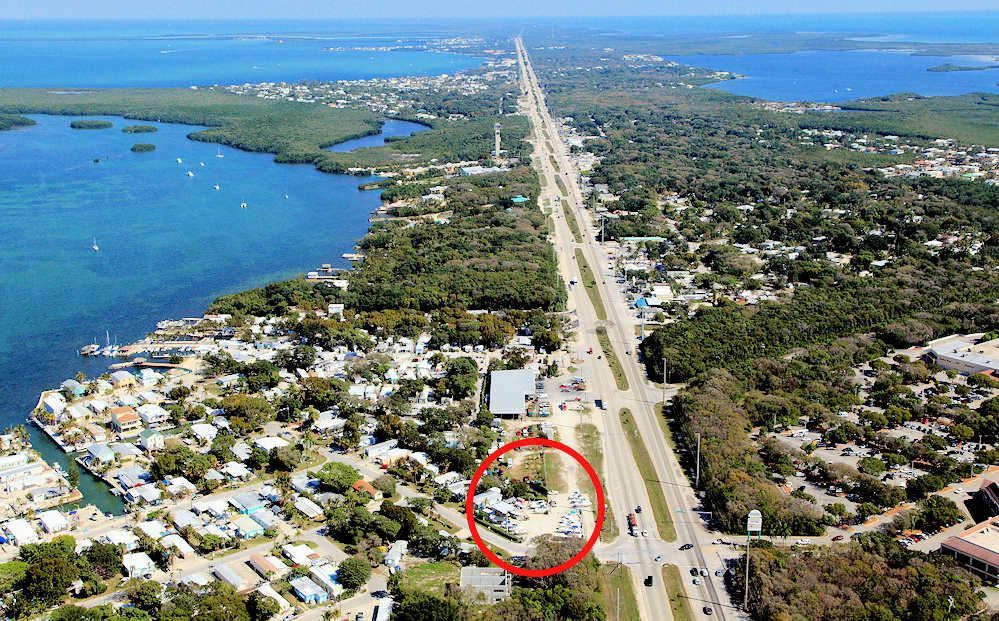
[(470, 508)]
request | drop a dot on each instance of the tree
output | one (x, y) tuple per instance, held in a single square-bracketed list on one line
[(284, 458), (421, 606), (144, 594), (247, 413), (261, 607), (73, 474), (353, 573), (48, 578), (104, 558), (337, 477)]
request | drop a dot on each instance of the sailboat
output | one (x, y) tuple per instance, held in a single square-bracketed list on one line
[(217, 187), (94, 246), (180, 161), (242, 205), (190, 174), (218, 152), (202, 164)]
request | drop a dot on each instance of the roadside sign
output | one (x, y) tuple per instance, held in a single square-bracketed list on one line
[(754, 523)]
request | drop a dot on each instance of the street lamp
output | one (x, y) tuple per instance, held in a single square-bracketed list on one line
[(754, 524)]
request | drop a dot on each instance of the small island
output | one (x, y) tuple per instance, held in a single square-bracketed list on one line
[(948, 67), (143, 147), (139, 129), (90, 124)]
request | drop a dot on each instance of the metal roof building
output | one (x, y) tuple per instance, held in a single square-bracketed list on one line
[(507, 391)]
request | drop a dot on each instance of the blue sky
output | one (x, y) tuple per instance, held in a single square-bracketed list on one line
[(298, 9)]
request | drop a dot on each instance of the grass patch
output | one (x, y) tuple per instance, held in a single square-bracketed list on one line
[(429, 577), (679, 605), (612, 361), (618, 592), (570, 219), (590, 284), (589, 445), (653, 486), (545, 467)]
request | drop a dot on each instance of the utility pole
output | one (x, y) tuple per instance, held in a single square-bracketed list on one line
[(697, 464), (754, 523), (664, 383)]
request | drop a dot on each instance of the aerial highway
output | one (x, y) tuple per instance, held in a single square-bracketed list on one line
[(623, 481)]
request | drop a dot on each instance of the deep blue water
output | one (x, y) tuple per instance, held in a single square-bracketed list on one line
[(391, 128), (169, 243), (839, 76)]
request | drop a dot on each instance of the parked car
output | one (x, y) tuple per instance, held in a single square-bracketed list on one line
[(838, 538), (648, 581), (686, 546), (708, 610)]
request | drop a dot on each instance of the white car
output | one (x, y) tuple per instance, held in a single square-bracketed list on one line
[(803, 542), (645, 533)]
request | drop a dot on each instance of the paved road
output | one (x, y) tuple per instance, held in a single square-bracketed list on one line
[(622, 476)]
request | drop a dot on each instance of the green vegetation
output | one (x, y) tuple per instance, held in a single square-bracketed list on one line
[(620, 378), (679, 604), (143, 147), (589, 283), (873, 578), (91, 124), (11, 121), (294, 132), (139, 129), (968, 118), (647, 469), (590, 446), (618, 592), (431, 577), (570, 220)]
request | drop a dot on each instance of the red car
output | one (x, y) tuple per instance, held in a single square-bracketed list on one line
[(838, 538)]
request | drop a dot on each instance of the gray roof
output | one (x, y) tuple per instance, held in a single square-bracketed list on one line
[(507, 390), (484, 577)]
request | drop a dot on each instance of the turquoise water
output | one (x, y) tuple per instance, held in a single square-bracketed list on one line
[(156, 54), (169, 243), (391, 128), (840, 76)]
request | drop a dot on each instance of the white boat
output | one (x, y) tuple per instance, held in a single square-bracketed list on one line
[(285, 197), (190, 174), (90, 350), (180, 161), (202, 164), (218, 152), (242, 205), (94, 246), (217, 187)]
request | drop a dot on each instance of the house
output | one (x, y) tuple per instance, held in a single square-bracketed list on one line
[(308, 508), (508, 390), (268, 591), (246, 528), (231, 576), (308, 591), (236, 470), (100, 453), (154, 529), (53, 521), (73, 387), (138, 565), (362, 486), (96, 432), (179, 486), (177, 543), (493, 584), (269, 443), (123, 538), (120, 379), (183, 518), (148, 493), (152, 414), (299, 554), (204, 432), (125, 420), (152, 440), (20, 532), (268, 566), (54, 403), (215, 507), (325, 576), (393, 558), (266, 518), (125, 451)]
